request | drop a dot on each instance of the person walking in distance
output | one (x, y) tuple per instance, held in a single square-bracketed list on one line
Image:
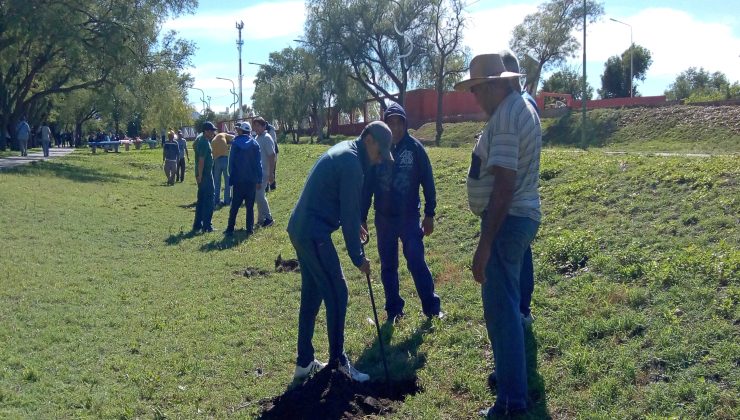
[(267, 151), (170, 153), (22, 133), (183, 143)]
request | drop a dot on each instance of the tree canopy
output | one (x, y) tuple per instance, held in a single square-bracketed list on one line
[(697, 85), (49, 48), (615, 81), (567, 80), (547, 35)]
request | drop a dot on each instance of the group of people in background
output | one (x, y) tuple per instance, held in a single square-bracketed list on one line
[(43, 135), (246, 163)]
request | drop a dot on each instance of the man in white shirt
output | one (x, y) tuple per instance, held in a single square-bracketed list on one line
[(45, 132), (267, 150), (503, 190)]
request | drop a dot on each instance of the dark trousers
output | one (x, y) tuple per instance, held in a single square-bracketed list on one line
[(204, 206), (180, 170), (389, 231), (322, 280), (242, 192)]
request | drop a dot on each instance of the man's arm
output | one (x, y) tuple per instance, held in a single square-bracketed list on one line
[(350, 188), (430, 193), (496, 211), (199, 174), (270, 168)]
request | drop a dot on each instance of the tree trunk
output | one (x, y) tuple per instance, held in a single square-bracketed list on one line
[(440, 98)]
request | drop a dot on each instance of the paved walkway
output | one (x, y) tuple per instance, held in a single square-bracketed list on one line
[(13, 161)]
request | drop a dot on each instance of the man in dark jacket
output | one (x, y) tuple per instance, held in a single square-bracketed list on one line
[(330, 199), (396, 190), (245, 168)]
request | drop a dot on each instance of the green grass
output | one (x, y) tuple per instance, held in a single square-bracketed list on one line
[(674, 130), (109, 308)]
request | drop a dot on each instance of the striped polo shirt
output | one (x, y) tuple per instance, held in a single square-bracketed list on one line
[(512, 139)]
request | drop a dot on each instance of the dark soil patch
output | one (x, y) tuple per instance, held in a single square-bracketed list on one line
[(253, 272), (330, 394)]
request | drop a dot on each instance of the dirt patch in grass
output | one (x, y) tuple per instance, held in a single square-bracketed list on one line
[(331, 394), (252, 272)]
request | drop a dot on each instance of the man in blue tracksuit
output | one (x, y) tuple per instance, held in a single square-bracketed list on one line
[(245, 167), (330, 199), (397, 205)]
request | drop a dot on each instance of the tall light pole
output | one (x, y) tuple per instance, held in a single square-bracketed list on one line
[(202, 98), (239, 43), (233, 89), (583, 95), (632, 52)]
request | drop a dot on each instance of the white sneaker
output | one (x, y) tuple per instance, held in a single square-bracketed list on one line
[(304, 372), (353, 373)]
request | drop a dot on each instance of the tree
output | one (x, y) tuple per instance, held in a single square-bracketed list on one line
[(567, 80), (547, 35), (50, 47), (447, 59), (615, 82), (696, 85), (379, 40)]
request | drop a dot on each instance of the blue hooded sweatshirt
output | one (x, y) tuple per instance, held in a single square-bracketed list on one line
[(396, 186), (245, 163), (331, 198)]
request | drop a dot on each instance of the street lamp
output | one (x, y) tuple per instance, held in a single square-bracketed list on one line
[(239, 44), (233, 90), (202, 98), (632, 52)]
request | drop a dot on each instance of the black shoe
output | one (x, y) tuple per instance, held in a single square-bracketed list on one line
[(267, 223), (208, 229), (273, 186), (250, 231)]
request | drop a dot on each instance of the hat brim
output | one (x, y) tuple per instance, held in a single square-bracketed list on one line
[(466, 85)]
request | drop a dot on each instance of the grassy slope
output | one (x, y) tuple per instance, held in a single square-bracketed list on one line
[(675, 129), (110, 309)]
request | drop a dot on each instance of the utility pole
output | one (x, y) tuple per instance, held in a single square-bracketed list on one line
[(583, 94), (632, 54), (239, 43)]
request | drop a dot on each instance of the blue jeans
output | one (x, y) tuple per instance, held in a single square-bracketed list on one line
[(221, 168), (389, 230), (526, 283), (501, 295), (204, 206), (321, 280)]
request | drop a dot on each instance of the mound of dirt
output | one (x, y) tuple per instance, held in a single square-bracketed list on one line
[(331, 394)]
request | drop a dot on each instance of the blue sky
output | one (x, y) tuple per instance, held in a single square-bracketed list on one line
[(679, 34)]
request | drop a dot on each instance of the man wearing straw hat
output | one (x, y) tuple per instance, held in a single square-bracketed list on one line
[(502, 189)]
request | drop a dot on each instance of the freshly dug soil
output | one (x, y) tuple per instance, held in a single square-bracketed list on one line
[(330, 394)]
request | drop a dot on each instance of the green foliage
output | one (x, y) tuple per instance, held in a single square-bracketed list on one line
[(567, 80), (547, 36), (698, 85), (615, 81)]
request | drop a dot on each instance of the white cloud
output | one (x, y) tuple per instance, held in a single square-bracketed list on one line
[(676, 39), (490, 30), (259, 23)]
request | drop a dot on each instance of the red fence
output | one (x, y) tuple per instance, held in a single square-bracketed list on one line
[(421, 107)]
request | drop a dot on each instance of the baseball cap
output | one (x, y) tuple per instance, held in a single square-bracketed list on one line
[(383, 136), (208, 126), (244, 126)]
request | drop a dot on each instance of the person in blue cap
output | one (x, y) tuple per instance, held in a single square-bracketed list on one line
[(397, 206), (204, 178), (245, 168), (330, 199)]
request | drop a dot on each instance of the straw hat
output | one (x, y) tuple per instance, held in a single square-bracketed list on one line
[(485, 68)]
